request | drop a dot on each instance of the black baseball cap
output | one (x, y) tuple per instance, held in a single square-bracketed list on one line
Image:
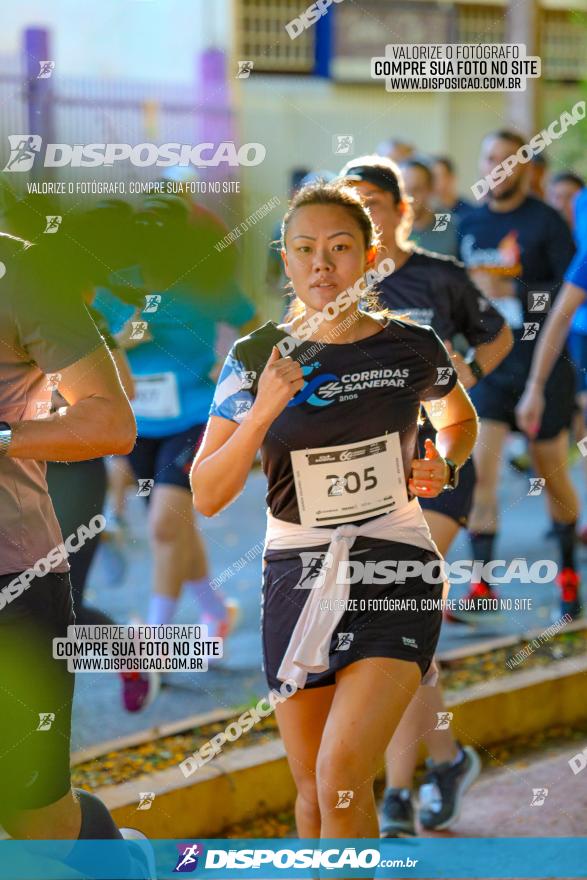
[(378, 176)]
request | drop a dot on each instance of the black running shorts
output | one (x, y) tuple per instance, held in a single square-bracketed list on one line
[(457, 503), (374, 632), (36, 694), (167, 460), (495, 397)]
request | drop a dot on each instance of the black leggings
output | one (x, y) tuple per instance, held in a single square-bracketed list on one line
[(78, 492)]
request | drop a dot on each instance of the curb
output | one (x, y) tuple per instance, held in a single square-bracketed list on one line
[(250, 782)]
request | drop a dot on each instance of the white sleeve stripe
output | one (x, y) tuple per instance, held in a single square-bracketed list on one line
[(229, 386)]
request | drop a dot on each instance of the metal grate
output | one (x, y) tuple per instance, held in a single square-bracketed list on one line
[(563, 45), (261, 36), (480, 24)]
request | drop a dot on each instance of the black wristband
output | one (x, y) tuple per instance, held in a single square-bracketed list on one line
[(475, 367)]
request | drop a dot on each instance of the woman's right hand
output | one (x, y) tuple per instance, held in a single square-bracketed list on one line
[(530, 409), (279, 382)]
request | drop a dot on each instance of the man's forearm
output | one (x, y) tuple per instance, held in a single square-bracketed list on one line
[(490, 354), (90, 429), (549, 346)]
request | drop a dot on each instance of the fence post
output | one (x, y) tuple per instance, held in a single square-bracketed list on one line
[(39, 92), (215, 123)]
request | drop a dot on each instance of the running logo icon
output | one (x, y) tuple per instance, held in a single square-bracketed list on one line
[(537, 484), (444, 374), (187, 860), (441, 222), (23, 149), (578, 762), (443, 720), (530, 330), (314, 569), (146, 799), (139, 328), (337, 487), (53, 380), (53, 223), (538, 301), (244, 69), (152, 302), (145, 487), (241, 408), (342, 144), (46, 719), (539, 795), (344, 799), (46, 69), (345, 641), (247, 379), (43, 409)]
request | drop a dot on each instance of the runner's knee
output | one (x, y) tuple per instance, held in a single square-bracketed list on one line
[(165, 529), (339, 768), (308, 795)]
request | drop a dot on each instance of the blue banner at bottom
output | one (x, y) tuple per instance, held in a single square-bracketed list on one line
[(473, 859)]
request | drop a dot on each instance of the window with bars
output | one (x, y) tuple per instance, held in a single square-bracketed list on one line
[(261, 36), (480, 24), (563, 45)]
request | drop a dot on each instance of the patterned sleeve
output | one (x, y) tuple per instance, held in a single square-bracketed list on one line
[(233, 397)]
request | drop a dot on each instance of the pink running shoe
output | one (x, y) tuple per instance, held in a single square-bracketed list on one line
[(139, 689)]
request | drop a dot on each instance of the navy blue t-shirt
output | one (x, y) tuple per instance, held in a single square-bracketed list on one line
[(353, 391), (436, 290), (531, 245)]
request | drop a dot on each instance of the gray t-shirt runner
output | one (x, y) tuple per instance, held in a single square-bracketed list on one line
[(44, 327)]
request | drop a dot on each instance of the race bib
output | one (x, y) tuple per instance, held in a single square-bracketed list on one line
[(337, 484), (157, 396), (510, 308)]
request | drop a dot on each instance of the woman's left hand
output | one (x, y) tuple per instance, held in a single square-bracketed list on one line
[(429, 474)]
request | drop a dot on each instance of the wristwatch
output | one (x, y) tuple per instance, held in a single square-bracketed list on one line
[(474, 366), (453, 475), (5, 438)]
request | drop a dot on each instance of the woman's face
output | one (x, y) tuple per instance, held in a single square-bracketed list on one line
[(325, 253), (385, 213)]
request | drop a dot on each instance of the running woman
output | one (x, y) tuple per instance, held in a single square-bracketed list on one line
[(517, 250), (171, 358), (434, 291), (337, 425)]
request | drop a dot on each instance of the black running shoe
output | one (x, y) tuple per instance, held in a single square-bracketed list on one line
[(397, 814), (443, 789)]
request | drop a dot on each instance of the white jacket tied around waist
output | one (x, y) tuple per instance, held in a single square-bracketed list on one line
[(310, 641)]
